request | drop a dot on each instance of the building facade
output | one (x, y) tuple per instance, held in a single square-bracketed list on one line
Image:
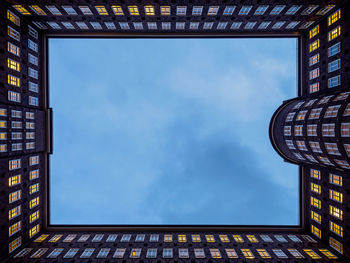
[(311, 130)]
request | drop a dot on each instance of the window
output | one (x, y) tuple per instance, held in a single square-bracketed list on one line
[(316, 231), (224, 238), (30, 125), (34, 188), (21, 9), (68, 25), (334, 17), (336, 212), (287, 130), (119, 253), (111, 238), (325, 10), (314, 45), (325, 160), (181, 10), (213, 10), (13, 64), (293, 9), (182, 238), (328, 130), (315, 113), (332, 148), (85, 10), (13, 229), (315, 202), (24, 252), (138, 25), (16, 125), (16, 114), (167, 253), (140, 238), (55, 238), (236, 25), (290, 116), (12, 80), (250, 25), (316, 217), (33, 87), (229, 10), (32, 32), (292, 24), (168, 238), (231, 253), (314, 59), (32, 73), (309, 239), (110, 25), (87, 253), (245, 10), (101, 10), (208, 25), (15, 244), (333, 50), (301, 145), (238, 238), (180, 25), (264, 25), (14, 164), (215, 253), (336, 245), (69, 10), (290, 144), (32, 45), (325, 99), (83, 238), (261, 10), (165, 10), (125, 238), (347, 110), (280, 238), (14, 196), (197, 10), (252, 239), (34, 202), (151, 253), (149, 10), (210, 238), (33, 217), (196, 238), (336, 228), (334, 65), (298, 130), (55, 253), (299, 156), (33, 160), (70, 238), (334, 33), (135, 253), (117, 9), (313, 32), (263, 253), (314, 73), (309, 10), (14, 180), (14, 212), (33, 231), (312, 254), (199, 253), (301, 115), (315, 188), (3, 147), (266, 238), (311, 130), (30, 135), (336, 196), (336, 179), (316, 174), (327, 253), (13, 49), (53, 9), (166, 25), (278, 25), (96, 25), (194, 25), (279, 253), (41, 238), (13, 33), (247, 253), (295, 253), (311, 158), (154, 238), (82, 25), (221, 25)]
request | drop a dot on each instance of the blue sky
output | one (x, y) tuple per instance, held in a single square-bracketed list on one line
[(170, 131)]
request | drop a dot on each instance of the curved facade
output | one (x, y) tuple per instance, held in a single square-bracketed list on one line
[(314, 131)]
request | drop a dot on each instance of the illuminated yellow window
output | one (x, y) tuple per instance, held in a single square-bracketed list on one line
[(149, 10), (15, 196), (210, 238), (314, 45), (101, 10), (252, 238), (327, 253), (334, 17), (316, 174), (215, 253), (3, 124), (33, 174), (3, 112), (168, 238), (315, 188), (12, 80), (316, 231), (263, 253), (316, 217), (3, 135), (224, 238), (336, 212), (14, 164), (15, 244), (34, 188), (312, 254), (21, 9), (117, 9), (14, 212), (134, 11), (34, 202), (13, 64), (13, 18), (336, 196), (14, 180), (182, 238), (313, 32), (335, 228), (334, 33), (247, 253), (336, 245), (231, 253), (55, 238), (315, 202), (196, 238), (41, 238), (33, 231), (238, 238), (165, 10), (15, 228), (3, 147), (38, 10), (336, 179), (34, 216)]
